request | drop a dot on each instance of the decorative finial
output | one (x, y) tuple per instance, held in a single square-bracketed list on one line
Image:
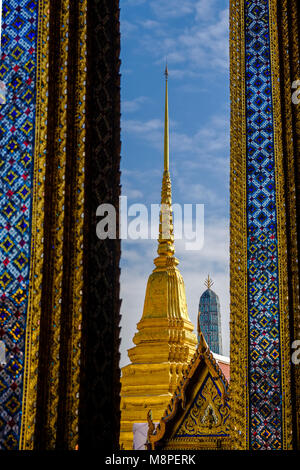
[(208, 282), (166, 71), (151, 426)]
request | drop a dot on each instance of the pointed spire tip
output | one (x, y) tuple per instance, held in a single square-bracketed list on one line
[(166, 138), (208, 282), (166, 71)]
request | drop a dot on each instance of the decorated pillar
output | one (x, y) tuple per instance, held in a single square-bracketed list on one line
[(264, 43), (60, 153)]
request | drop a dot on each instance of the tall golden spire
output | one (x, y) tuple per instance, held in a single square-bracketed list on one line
[(164, 342), (165, 299), (166, 140), (166, 248)]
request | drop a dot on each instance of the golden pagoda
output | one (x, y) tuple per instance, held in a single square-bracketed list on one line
[(164, 342)]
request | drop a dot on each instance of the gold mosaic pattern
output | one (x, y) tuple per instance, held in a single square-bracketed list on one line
[(238, 230), (77, 264), (281, 233), (239, 350), (291, 72), (207, 414), (58, 229), (58, 236), (36, 267)]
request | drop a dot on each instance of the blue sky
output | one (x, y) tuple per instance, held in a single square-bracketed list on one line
[(193, 35)]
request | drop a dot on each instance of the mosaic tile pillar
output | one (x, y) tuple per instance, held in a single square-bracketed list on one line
[(22, 170), (59, 284), (263, 406), (43, 207)]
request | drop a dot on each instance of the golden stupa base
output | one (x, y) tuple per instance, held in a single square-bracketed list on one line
[(146, 387)]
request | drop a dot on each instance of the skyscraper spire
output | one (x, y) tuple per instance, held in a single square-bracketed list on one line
[(208, 282), (209, 318)]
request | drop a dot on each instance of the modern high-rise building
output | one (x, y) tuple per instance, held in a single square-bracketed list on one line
[(209, 318)]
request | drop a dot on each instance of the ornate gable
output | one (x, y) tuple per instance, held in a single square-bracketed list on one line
[(198, 414), (207, 414)]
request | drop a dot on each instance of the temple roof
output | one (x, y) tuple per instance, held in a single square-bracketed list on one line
[(216, 367), (224, 364)]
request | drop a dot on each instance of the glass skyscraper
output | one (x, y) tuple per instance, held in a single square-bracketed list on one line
[(209, 318)]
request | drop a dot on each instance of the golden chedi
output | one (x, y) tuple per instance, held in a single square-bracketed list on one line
[(164, 342)]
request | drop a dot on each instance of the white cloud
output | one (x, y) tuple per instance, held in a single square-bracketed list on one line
[(141, 174), (197, 192), (206, 47), (134, 3), (207, 148), (142, 127), (127, 28), (183, 73), (203, 46), (132, 193), (172, 8), (150, 24), (205, 9), (150, 130), (133, 105), (133, 185)]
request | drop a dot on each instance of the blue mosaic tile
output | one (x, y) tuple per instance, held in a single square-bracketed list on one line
[(265, 399), (17, 123)]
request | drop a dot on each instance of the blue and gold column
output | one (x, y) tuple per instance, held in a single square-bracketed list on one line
[(42, 167), (23, 69), (59, 284), (261, 333)]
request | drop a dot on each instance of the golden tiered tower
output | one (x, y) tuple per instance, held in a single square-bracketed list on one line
[(165, 342)]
